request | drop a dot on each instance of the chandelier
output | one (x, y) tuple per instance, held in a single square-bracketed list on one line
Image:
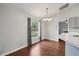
[(47, 17)]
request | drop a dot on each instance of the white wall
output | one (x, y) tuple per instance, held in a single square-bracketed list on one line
[(42, 29), (13, 28), (53, 30), (65, 14)]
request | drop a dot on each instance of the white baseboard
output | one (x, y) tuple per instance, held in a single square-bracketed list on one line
[(52, 39), (17, 49), (14, 50), (35, 41)]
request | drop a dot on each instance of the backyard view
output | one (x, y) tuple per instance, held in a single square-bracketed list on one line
[(34, 29)]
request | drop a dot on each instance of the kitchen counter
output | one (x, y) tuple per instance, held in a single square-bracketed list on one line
[(71, 43), (69, 38)]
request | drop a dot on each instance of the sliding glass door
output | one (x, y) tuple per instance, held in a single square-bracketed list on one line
[(35, 31)]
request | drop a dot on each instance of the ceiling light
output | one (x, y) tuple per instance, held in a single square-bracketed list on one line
[(47, 18), (66, 21)]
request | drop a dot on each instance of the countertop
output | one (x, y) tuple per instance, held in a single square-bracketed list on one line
[(69, 38)]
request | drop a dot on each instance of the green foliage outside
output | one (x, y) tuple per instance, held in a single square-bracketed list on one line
[(34, 29), (34, 26)]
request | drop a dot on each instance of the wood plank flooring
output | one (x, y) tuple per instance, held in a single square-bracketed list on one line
[(43, 48)]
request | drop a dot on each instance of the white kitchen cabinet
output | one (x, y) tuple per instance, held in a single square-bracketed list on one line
[(72, 44), (78, 22), (74, 22), (71, 50)]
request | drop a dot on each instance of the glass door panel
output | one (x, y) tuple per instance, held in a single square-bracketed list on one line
[(35, 31)]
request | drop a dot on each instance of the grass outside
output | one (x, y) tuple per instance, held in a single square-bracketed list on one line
[(34, 33)]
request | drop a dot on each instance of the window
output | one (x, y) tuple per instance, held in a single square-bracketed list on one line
[(34, 29)]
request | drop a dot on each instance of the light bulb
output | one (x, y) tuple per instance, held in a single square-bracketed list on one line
[(49, 19), (66, 21), (44, 19)]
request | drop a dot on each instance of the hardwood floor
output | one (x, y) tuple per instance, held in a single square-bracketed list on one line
[(43, 48)]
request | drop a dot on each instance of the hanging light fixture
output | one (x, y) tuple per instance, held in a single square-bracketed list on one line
[(47, 17), (66, 21)]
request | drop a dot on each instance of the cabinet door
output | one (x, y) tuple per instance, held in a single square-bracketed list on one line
[(72, 22), (78, 22)]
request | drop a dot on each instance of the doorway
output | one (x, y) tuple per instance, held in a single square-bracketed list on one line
[(33, 31), (63, 27)]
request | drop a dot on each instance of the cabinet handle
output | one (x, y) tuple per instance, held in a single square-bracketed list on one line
[(75, 35)]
